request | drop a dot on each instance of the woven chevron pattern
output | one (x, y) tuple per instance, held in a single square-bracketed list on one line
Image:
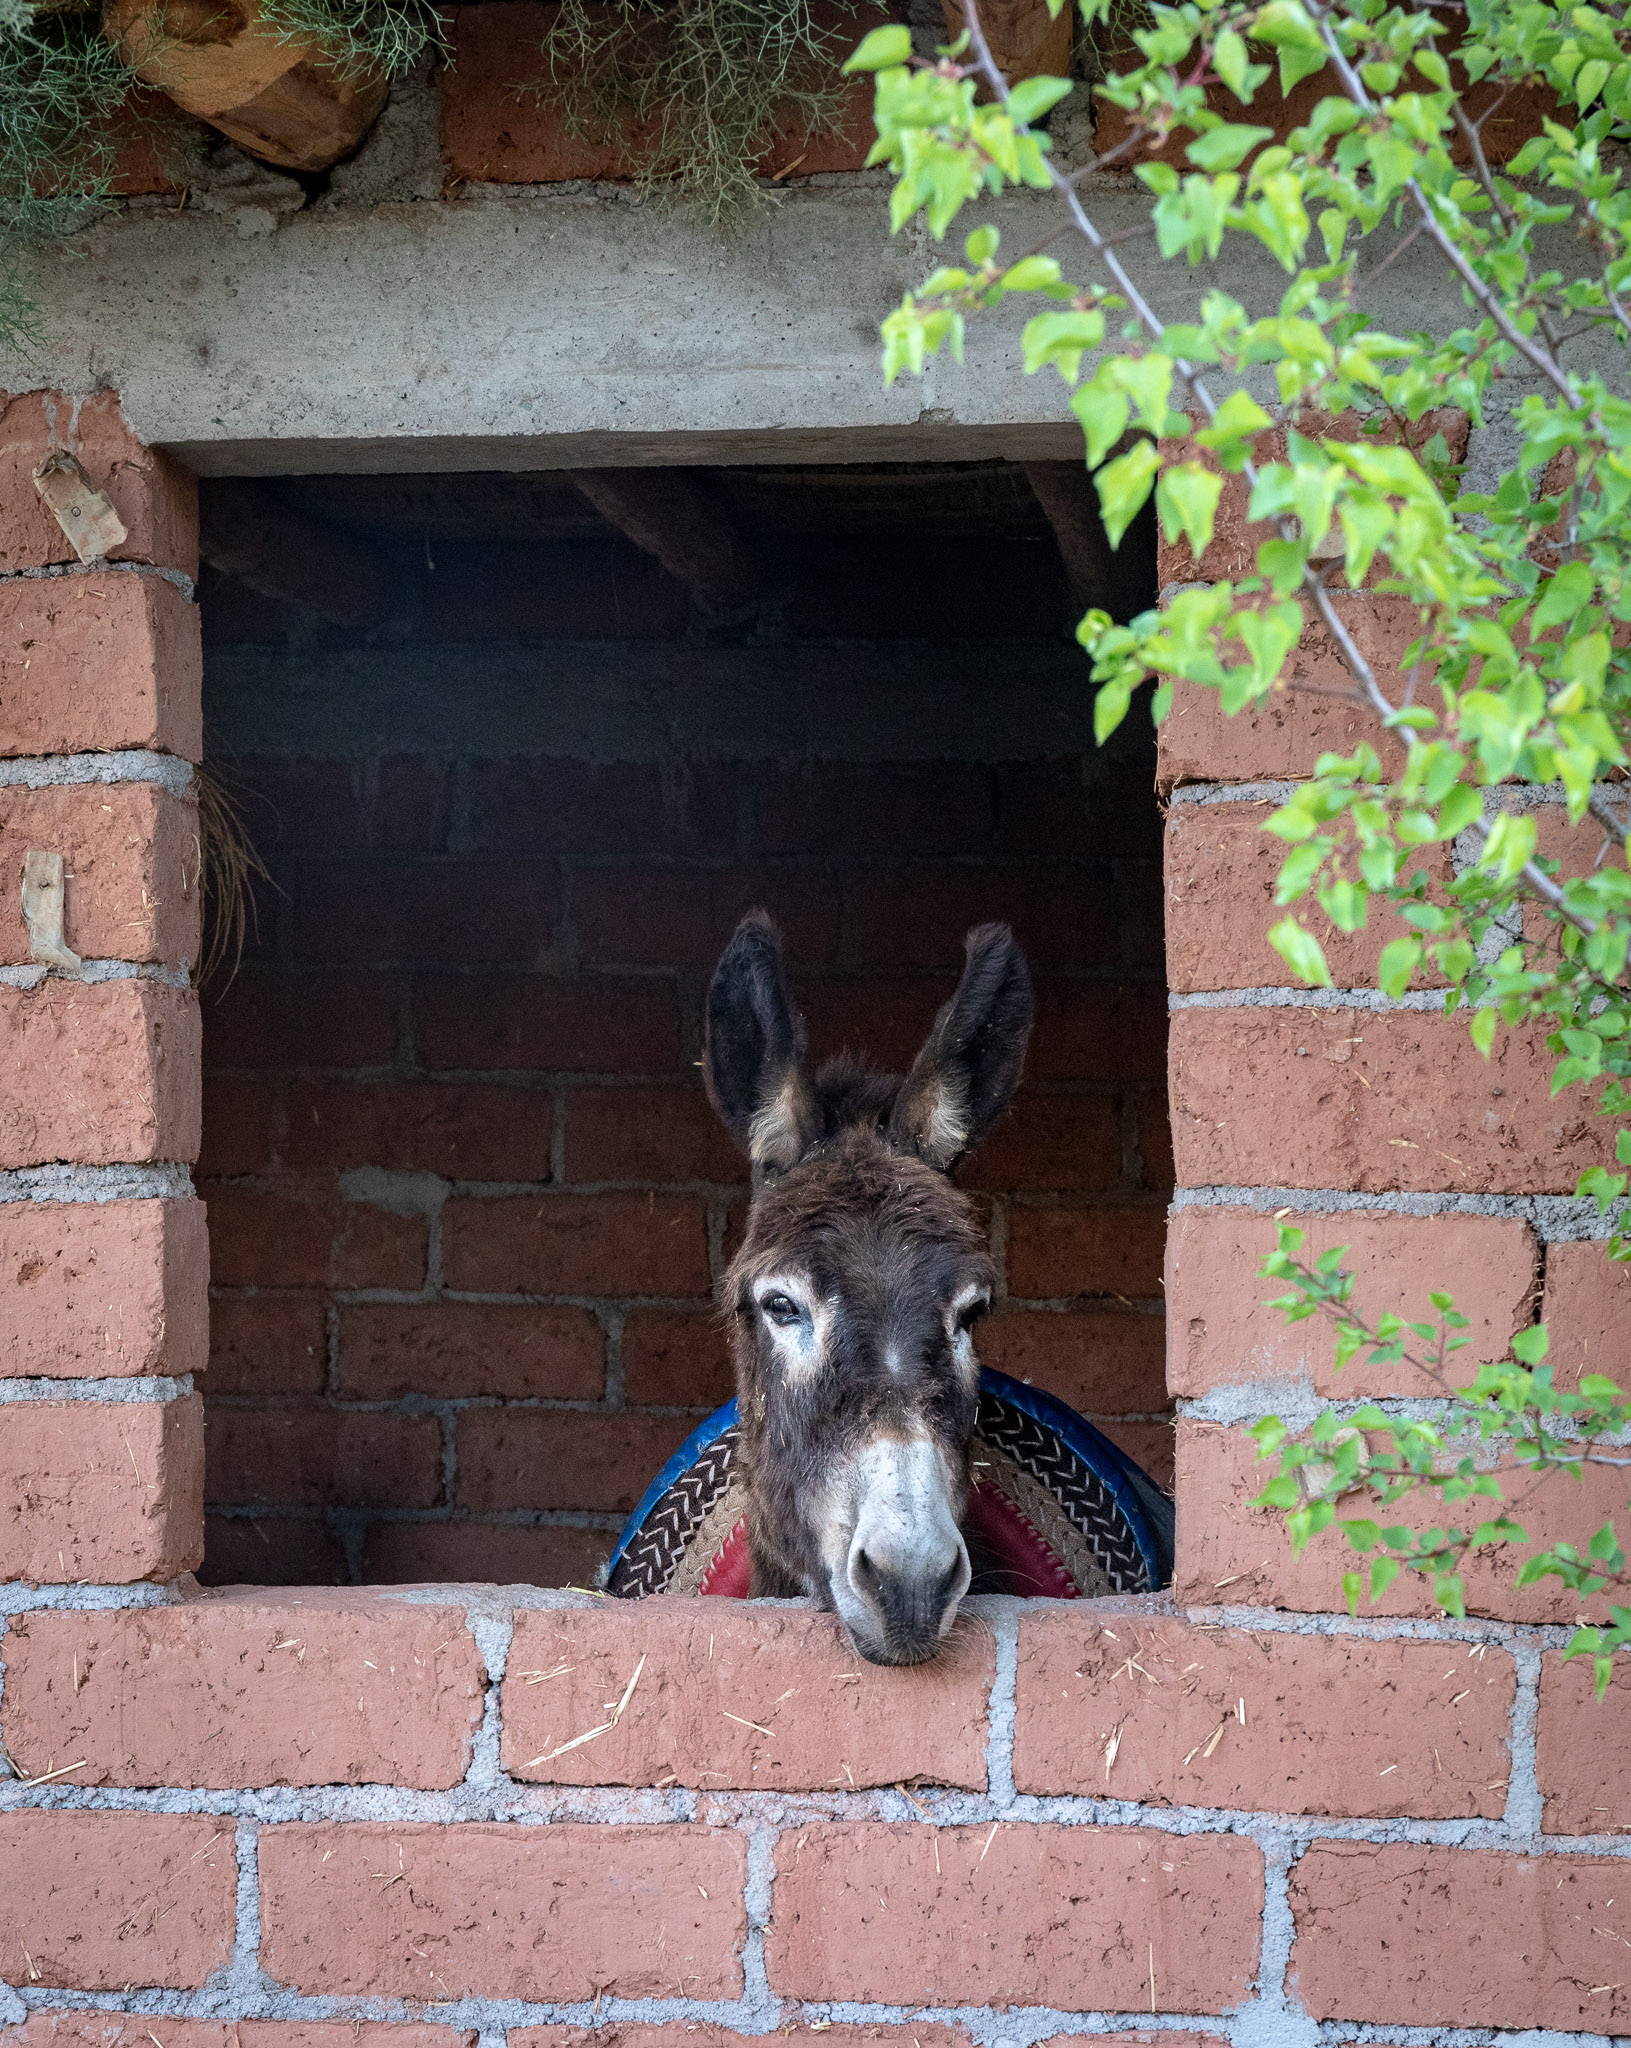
[(653, 1558), (1085, 1499), (650, 1561)]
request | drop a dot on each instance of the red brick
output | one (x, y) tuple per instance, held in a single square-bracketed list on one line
[(1422, 1731), (1221, 873), (1510, 115), (268, 1344), (1098, 1031), (1051, 1144), (676, 1358), (101, 1491), (1084, 1030), (482, 1553), (1583, 1748), (456, 1349), (1376, 1100), (566, 1912), (494, 127), (89, 1289), (1281, 737), (461, 1130), (283, 1456), (604, 1025), (1586, 1303), (1410, 1935), (98, 1073), (593, 589), (131, 2030), (271, 1550), (155, 498), (1223, 1332), (531, 806), (303, 1235), (410, 812), (884, 1021), (1002, 587), (301, 803), (1055, 1253), (1233, 550), (327, 1689), (242, 1125), (917, 916), (99, 661), (1149, 1445), (576, 1244), (1077, 806), (1577, 848), (130, 859), (644, 1134), (1230, 1551), (472, 911), (1155, 1142), (1032, 1915), (118, 1901), (1106, 1363), (738, 1698), (267, 1018), (562, 1457), (683, 917), (877, 810)]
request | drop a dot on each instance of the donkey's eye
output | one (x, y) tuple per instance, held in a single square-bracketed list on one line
[(970, 1314), (781, 1309)]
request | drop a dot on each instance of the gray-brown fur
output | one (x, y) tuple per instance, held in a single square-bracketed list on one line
[(875, 1375)]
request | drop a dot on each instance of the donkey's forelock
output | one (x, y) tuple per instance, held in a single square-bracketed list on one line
[(858, 1281)]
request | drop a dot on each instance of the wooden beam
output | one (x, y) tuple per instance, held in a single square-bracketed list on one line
[(676, 515), (1065, 492), (246, 531)]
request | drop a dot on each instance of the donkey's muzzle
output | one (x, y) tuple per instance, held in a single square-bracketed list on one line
[(912, 1607)]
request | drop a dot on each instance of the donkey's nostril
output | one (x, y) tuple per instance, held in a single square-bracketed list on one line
[(909, 1599)]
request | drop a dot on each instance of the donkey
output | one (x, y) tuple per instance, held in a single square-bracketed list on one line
[(853, 1299)]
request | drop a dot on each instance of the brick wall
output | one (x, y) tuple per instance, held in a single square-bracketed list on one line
[(468, 1204), (105, 1262), (318, 1818)]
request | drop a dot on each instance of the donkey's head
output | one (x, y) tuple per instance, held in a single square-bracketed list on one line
[(855, 1293)]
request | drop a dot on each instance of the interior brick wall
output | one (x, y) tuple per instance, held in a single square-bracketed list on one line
[(468, 1203)]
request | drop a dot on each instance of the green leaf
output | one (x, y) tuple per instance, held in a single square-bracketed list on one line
[(1383, 1571), (1563, 596), (1530, 1345), (1061, 338), (1301, 952), (1030, 274), (1103, 412), (1399, 961), (1034, 97), (1187, 499), (1123, 485), (882, 49), (1220, 149)]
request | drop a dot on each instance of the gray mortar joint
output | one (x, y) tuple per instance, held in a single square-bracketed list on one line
[(129, 764)]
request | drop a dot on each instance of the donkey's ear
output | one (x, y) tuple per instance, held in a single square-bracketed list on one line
[(961, 1081), (754, 1053)]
